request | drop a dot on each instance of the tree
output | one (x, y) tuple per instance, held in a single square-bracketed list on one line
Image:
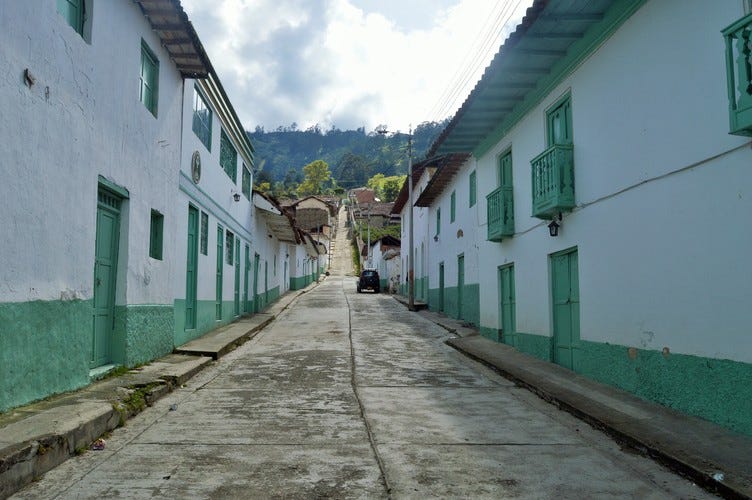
[(316, 174)]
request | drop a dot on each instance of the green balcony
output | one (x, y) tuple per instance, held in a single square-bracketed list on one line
[(553, 181), (500, 211), (738, 38)]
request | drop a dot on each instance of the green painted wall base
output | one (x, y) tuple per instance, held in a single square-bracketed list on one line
[(298, 283), (142, 333), (470, 302), (206, 319), (713, 389), (705, 387), (44, 349)]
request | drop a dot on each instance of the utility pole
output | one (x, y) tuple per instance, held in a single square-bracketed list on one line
[(410, 264)]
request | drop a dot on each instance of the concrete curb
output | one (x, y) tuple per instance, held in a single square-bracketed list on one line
[(38, 437), (690, 446)]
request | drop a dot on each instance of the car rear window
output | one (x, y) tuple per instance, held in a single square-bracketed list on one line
[(369, 273)]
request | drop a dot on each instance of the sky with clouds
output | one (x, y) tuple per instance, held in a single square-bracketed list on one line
[(350, 63)]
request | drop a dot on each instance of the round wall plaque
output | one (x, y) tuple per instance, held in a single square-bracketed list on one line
[(196, 167)]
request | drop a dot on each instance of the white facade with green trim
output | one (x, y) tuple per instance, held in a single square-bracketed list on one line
[(91, 151), (645, 285)]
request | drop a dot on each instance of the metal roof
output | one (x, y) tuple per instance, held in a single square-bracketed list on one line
[(179, 38), (447, 168), (524, 61), (279, 222)]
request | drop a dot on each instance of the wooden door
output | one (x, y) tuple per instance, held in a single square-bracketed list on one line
[(566, 307), (507, 305), (105, 277), (191, 271)]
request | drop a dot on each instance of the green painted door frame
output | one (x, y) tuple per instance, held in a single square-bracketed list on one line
[(441, 287), (565, 295), (236, 309), (220, 273), (191, 281), (507, 319), (246, 275), (460, 285), (105, 276)]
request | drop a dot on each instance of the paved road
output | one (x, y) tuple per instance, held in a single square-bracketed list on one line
[(349, 395)]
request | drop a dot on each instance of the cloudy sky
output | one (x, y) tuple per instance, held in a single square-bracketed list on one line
[(350, 63)]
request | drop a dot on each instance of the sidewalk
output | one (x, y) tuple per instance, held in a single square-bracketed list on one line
[(712, 456), (38, 437)]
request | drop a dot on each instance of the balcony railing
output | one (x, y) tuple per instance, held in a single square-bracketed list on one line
[(553, 181), (500, 211), (738, 38)]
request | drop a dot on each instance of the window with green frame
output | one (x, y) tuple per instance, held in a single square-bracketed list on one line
[(156, 235), (204, 237), (74, 12), (246, 186), (228, 157), (202, 118), (453, 206), (230, 247), (559, 122), (473, 188), (438, 220), (149, 80)]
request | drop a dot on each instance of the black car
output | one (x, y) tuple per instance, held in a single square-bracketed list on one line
[(369, 280)]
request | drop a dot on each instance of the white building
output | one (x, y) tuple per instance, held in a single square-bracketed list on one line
[(92, 103), (217, 247), (615, 115)]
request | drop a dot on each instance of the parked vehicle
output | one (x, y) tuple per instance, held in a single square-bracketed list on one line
[(369, 280)]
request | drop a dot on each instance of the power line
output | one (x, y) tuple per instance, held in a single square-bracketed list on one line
[(449, 97)]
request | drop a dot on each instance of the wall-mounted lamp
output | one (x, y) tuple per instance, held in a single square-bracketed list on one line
[(553, 227), (235, 196), (436, 238)]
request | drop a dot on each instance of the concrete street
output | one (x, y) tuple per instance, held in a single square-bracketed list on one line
[(349, 395)]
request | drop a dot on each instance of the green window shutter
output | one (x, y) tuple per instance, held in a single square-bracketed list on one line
[(202, 118), (204, 237), (156, 235), (453, 207), (246, 187), (559, 122), (229, 247), (505, 170), (228, 157), (438, 221), (149, 78), (473, 188), (74, 13)]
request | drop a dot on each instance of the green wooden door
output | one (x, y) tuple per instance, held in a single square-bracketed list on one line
[(236, 309), (191, 281), (105, 276), (441, 287), (256, 297), (566, 307), (460, 286), (220, 272), (507, 305), (266, 283), (246, 275)]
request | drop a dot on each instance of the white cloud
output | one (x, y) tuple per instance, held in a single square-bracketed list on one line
[(348, 63)]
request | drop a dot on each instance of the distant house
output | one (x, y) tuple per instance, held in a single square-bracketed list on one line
[(312, 213), (385, 259), (362, 195)]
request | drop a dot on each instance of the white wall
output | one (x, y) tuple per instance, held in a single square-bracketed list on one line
[(661, 263), (213, 194), (83, 118), (458, 237)]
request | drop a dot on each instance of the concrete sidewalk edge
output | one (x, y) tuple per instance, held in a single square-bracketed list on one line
[(64, 426), (690, 465)]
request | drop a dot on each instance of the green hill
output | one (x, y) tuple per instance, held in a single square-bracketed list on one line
[(353, 156)]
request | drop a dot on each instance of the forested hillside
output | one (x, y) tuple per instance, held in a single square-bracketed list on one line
[(353, 156)]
